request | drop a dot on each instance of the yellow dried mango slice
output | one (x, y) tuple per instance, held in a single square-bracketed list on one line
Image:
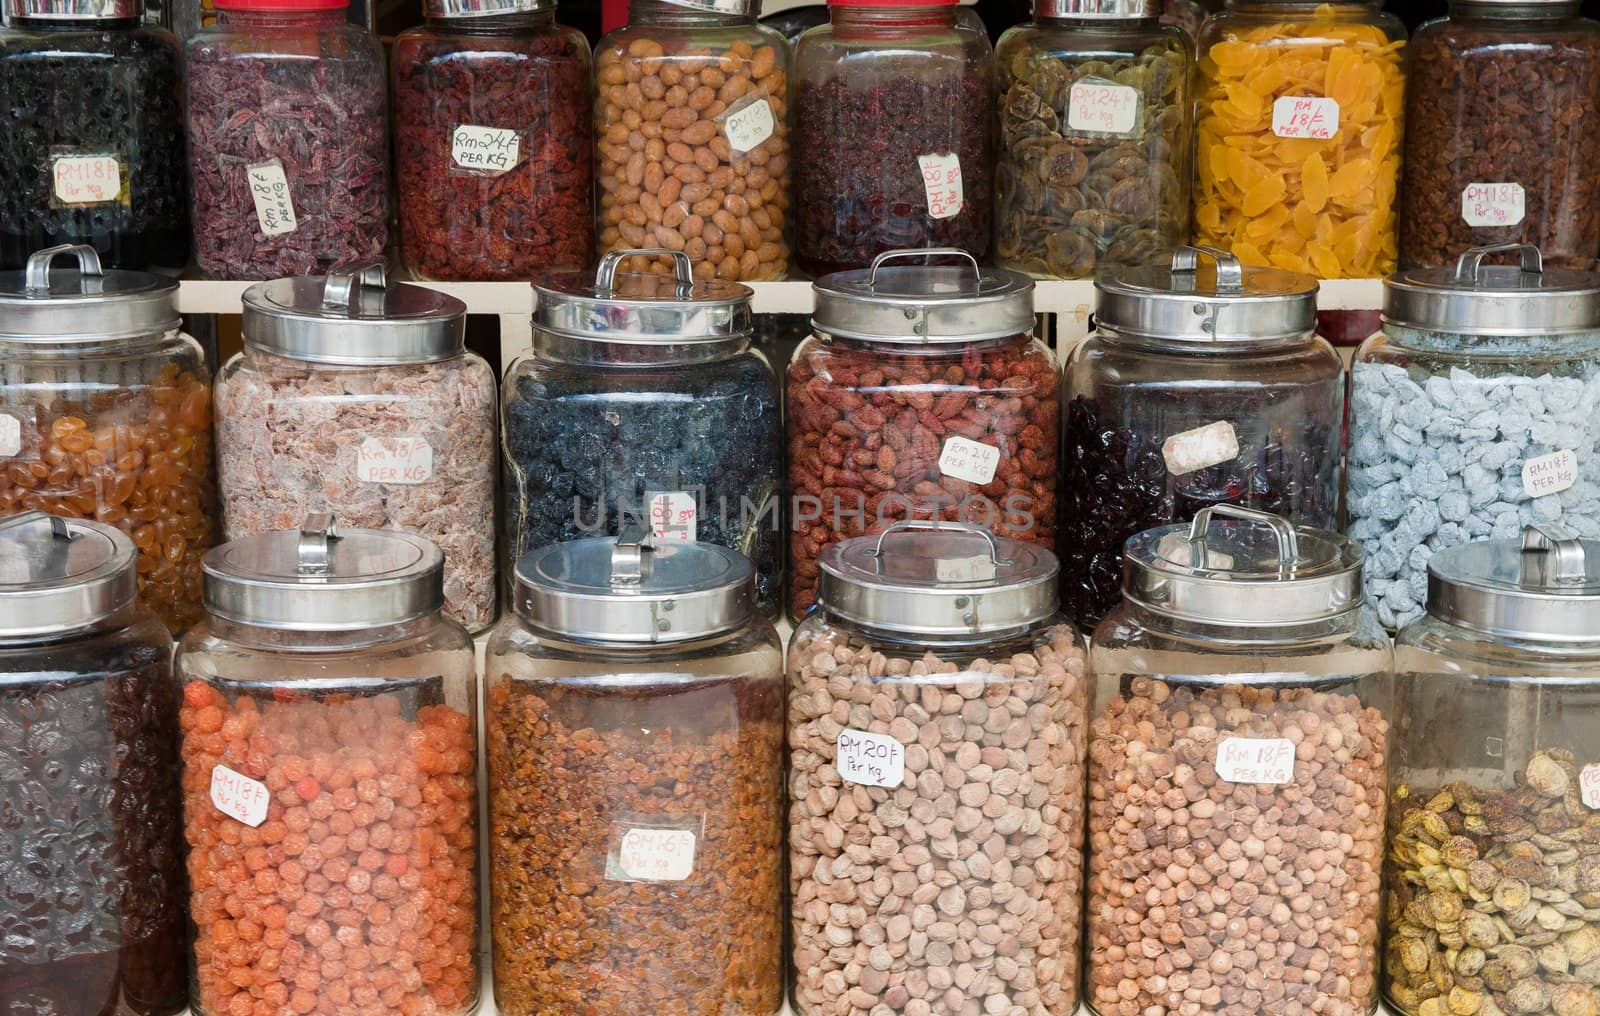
[(1263, 195), (1314, 183)]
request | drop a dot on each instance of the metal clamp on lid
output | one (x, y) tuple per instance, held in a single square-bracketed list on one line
[(1473, 298), (59, 576), (924, 303), (43, 303), (612, 305), (1544, 587), (1185, 303)]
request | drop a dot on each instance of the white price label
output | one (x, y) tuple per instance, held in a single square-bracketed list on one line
[(1261, 760), (274, 207), (1549, 474), (1200, 448), (674, 515), (872, 760), (747, 127), (487, 150), (10, 436), (657, 855), (1101, 107), (1305, 116), (394, 460), (941, 181), (969, 460), (238, 796), (964, 569), (86, 179), (1493, 204), (1589, 785)]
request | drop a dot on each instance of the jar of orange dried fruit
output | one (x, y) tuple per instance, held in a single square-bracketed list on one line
[(105, 414), (329, 779), (1298, 136)]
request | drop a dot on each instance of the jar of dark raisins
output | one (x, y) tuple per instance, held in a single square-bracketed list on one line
[(1095, 121), (329, 717), (93, 148), (894, 133), (634, 714), (92, 885), (1201, 386), (492, 146), (105, 413), (644, 401)]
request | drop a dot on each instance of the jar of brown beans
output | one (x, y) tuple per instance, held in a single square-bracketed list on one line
[(692, 149), (105, 414)]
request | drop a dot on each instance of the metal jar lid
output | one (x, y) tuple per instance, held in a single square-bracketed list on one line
[(642, 307), (1515, 10), (1098, 10), (923, 303), (631, 591), (1545, 587), (75, 10), (353, 317), (938, 578), (1186, 304), (1258, 572), (58, 576), (324, 579), (1494, 300), (483, 8), (41, 304), (735, 8)]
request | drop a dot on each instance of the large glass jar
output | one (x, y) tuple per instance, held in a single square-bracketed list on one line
[(922, 395), (1237, 766), (692, 139), (1472, 414), (643, 401), (635, 724), (1500, 141), (1200, 386), (894, 126), (358, 397), (92, 884), (93, 147), (936, 751), (1095, 134), (493, 162), (105, 413), (288, 140), (330, 781), (1493, 864), (1298, 135)]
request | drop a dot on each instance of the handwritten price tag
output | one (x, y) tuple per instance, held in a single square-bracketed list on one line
[(748, 127), (1200, 448), (673, 516), (86, 179), (657, 855), (394, 460), (1303, 116), (238, 796), (941, 181), (1100, 107), (10, 436), (274, 207), (872, 760), (1493, 204), (1549, 474), (487, 150), (969, 460), (1589, 785), (1259, 760)]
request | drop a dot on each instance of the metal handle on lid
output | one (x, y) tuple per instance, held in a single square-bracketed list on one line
[(605, 276), (1230, 272), (934, 525), (631, 555), (317, 535), (1552, 555), (36, 277), (345, 283), (1288, 543), (927, 252), (58, 525), (1471, 262)]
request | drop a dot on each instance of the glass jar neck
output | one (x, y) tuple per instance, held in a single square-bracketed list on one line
[(123, 347), (494, 24), (565, 349), (1099, 26), (1226, 638), (126, 24), (670, 15), (1474, 10), (282, 19), (918, 16), (1557, 345), (1175, 347), (913, 348), (310, 642)]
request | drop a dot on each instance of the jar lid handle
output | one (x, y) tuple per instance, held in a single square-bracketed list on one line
[(1552, 555), (935, 525), (1230, 272), (36, 278), (1468, 267), (344, 283), (58, 525), (317, 535), (922, 252), (1288, 542), (631, 554), (605, 277)]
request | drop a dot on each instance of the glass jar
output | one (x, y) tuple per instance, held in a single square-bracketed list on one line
[(635, 725), (1472, 414), (1492, 864), (1237, 766), (93, 153), (894, 124), (1499, 140), (288, 140), (358, 397), (105, 413), (643, 401), (91, 855), (492, 155), (922, 394), (1198, 387), (1095, 124), (693, 157), (1299, 129), (936, 746), (330, 783)]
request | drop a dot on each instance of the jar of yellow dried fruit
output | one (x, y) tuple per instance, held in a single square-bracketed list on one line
[(1298, 135)]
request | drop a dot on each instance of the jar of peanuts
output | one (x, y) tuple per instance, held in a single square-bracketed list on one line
[(936, 754), (692, 138), (634, 711), (1237, 766), (922, 395), (105, 414), (328, 726)]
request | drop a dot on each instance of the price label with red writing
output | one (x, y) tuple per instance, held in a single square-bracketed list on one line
[(1102, 107), (10, 436), (1549, 474), (966, 459), (656, 855), (1589, 785), (394, 460), (1200, 448), (674, 515), (747, 127), (1493, 204), (1305, 116), (1267, 761), (941, 180), (238, 796), (872, 760), (269, 188), (86, 179)]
